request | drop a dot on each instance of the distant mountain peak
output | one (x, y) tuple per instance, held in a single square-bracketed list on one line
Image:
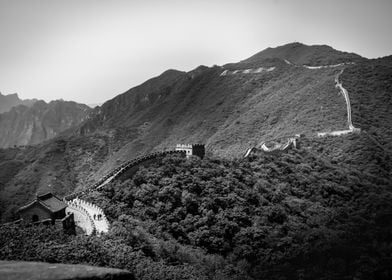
[(7, 102), (29, 125), (11, 94), (299, 53)]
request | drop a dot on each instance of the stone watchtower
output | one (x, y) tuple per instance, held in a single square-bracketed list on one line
[(192, 150)]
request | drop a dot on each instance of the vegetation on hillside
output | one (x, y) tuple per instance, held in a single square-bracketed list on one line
[(59, 166), (227, 113), (320, 212), (370, 86), (312, 213)]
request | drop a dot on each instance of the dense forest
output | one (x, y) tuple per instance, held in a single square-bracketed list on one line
[(323, 211)]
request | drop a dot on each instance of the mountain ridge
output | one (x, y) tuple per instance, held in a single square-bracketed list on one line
[(301, 54)]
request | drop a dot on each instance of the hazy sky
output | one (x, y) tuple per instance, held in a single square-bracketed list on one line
[(92, 50)]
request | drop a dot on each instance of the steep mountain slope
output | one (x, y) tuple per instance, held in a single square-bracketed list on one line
[(370, 87), (12, 100), (24, 125), (228, 112)]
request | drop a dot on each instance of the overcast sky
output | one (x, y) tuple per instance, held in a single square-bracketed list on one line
[(92, 50)]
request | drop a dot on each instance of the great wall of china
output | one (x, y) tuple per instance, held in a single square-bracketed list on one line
[(92, 219), (272, 146), (82, 217), (247, 71), (343, 91)]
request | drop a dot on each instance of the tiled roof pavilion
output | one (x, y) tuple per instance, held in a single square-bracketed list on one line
[(48, 201)]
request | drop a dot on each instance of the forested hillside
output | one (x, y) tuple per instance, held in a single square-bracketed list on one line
[(370, 87), (311, 213), (228, 113), (58, 166), (209, 145)]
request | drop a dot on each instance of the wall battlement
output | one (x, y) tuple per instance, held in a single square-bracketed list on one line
[(115, 173), (183, 146)]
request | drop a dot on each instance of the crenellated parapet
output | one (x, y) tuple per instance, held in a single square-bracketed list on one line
[(96, 214), (129, 165), (115, 173), (82, 217)]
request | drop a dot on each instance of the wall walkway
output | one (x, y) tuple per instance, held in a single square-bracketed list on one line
[(97, 215), (346, 96), (82, 217)]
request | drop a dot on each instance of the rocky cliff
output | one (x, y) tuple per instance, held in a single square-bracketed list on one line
[(24, 125), (12, 100)]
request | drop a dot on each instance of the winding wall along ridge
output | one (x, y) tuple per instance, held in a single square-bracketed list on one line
[(120, 170), (291, 141), (85, 211), (344, 92)]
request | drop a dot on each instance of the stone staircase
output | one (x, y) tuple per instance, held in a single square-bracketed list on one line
[(99, 219), (88, 216), (82, 217)]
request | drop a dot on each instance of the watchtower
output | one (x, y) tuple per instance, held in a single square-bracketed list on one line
[(192, 150)]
